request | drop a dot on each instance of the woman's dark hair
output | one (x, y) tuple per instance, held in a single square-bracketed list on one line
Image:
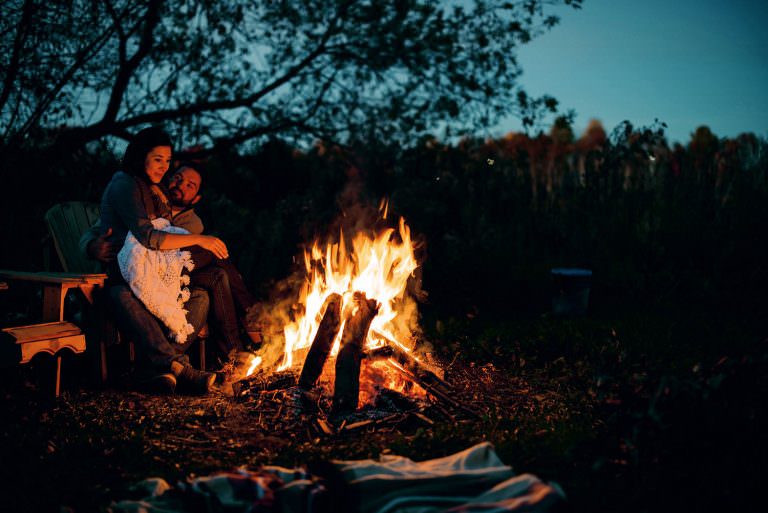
[(140, 145)]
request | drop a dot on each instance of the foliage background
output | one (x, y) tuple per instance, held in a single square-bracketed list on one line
[(656, 224)]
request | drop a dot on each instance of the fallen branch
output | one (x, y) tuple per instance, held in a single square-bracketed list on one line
[(424, 418)]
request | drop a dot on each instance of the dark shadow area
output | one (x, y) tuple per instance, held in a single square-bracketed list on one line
[(651, 401)]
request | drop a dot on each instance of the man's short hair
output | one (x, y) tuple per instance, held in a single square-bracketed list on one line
[(198, 167)]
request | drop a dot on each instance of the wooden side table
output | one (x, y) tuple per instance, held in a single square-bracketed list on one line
[(53, 334), (49, 338), (55, 288)]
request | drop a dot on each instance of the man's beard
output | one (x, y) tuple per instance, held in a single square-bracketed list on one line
[(178, 203)]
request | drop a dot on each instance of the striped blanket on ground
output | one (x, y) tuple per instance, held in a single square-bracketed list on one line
[(474, 480)]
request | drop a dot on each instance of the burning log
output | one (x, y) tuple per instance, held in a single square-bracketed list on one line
[(261, 382), (321, 345), (380, 353), (436, 390), (425, 372), (347, 383)]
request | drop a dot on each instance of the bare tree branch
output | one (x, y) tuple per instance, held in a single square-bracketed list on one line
[(127, 68), (197, 108), (18, 45), (240, 70), (122, 38), (84, 55)]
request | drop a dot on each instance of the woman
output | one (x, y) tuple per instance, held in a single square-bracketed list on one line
[(129, 205)]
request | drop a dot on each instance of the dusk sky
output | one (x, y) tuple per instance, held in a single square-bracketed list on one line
[(685, 62)]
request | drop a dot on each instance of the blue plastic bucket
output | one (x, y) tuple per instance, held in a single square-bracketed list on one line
[(570, 290)]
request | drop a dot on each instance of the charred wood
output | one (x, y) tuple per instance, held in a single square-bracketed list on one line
[(347, 383), (435, 390), (380, 353), (424, 371), (261, 382), (321, 345)]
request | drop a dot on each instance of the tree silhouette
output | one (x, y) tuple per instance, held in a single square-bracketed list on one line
[(223, 73)]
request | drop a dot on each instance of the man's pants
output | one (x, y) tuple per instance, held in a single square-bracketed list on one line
[(228, 295), (214, 279), (155, 351), (205, 260)]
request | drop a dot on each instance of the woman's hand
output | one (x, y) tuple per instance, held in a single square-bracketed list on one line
[(214, 245)]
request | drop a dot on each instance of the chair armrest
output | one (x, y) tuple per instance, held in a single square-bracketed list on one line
[(55, 287), (71, 279)]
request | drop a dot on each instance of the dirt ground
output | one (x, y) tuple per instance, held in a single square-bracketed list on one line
[(88, 446), (617, 425)]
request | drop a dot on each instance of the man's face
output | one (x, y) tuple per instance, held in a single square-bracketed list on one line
[(184, 187)]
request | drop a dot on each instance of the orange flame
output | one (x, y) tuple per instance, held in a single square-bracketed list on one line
[(377, 264), (254, 363)]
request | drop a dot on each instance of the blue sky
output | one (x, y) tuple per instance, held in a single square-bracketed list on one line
[(685, 62)]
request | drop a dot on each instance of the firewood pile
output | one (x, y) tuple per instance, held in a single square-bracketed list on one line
[(285, 406), (292, 399)]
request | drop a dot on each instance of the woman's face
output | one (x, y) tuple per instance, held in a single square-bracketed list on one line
[(156, 163)]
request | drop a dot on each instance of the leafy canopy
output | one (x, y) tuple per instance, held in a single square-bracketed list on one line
[(223, 73)]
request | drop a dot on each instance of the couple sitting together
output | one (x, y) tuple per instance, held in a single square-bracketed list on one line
[(151, 241)]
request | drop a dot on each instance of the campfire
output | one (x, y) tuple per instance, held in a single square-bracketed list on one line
[(352, 329)]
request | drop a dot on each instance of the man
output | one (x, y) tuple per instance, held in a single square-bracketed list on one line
[(229, 295), (220, 279)]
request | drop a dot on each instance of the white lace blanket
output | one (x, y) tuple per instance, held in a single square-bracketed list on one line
[(155, 277)]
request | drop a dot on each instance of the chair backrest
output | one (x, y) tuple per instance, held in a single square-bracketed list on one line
[(66, 223)]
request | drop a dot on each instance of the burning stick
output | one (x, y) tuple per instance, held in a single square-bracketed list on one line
[(424, 371), (347, 383), (433, 389), (321, 345), (380, 353), (262, 382)]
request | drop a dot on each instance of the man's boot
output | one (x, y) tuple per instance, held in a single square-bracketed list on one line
[(191, 380), (157, 384)]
